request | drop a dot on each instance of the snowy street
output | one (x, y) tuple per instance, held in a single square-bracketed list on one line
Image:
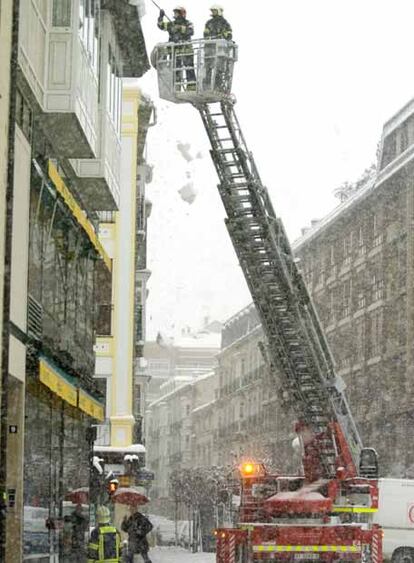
[(178, 555)]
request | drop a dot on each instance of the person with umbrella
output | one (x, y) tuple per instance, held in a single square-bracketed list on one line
[(137, 526)]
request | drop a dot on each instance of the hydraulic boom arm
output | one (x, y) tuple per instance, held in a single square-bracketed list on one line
[(295, 341)]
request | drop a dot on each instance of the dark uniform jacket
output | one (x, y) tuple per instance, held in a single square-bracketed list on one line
[(104, 545), (137, 527), (179, 30), (218, 27)]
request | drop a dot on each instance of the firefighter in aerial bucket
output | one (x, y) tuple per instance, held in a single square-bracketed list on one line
[(180, 30), (217, 27)]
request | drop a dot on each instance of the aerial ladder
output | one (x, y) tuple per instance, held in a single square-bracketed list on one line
[(326, 512)]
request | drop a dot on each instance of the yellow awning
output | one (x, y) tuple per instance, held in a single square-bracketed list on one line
[(91, 406), (78, 213), (50, 377)]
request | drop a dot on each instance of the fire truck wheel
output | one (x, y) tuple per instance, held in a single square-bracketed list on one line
[(403, 555)]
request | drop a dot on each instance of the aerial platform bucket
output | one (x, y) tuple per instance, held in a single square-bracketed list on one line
[(199, 71)]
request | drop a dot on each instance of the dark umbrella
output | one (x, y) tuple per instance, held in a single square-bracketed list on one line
[(78, 496), (130, 496)]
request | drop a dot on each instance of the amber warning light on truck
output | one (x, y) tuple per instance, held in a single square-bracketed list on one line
[(251, 469)]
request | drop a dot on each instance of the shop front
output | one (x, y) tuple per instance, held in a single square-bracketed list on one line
[(57, 462)]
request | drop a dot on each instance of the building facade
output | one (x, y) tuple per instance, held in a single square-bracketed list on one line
[(358, 263), (251, 422), (116, 351), (72, 56), (192, 354), (180, 430), (358, 266)]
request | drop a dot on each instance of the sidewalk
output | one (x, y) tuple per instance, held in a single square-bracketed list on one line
[(178, 555)]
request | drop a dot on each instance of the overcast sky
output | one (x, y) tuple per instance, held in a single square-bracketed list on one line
[(314, 83)]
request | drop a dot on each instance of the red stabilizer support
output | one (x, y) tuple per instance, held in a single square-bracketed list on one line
[(376, 547), (228, 541)]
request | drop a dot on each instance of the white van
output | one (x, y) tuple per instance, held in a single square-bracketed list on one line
[(396, 517)]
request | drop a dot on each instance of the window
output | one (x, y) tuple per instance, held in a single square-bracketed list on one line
[(114, 85), (331, 307), (360, 241), (89, 29), (332, 259), (24, 117), (376, 233), (403, 137), (375, 333), (61, 16), (347, 249), (360, 300), (346, 299), (389, 150), (360, 339), (377, 287)]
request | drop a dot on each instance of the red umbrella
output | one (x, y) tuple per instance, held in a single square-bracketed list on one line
[(130, 496), (78, 496)]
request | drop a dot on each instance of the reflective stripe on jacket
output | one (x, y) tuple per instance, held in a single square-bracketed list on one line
[(178, 30), (104, 545)]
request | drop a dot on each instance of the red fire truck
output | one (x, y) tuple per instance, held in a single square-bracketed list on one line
[(326, 512)]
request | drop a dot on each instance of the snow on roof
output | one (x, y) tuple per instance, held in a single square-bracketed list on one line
[(239, 314), (132, 449), (162, 399), (244, 336), (338, 210), (203, 376), (199, 340), (202, 407)]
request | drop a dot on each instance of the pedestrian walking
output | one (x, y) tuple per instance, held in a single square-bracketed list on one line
[(137, 526)]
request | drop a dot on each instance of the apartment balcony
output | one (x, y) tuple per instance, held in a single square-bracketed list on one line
[(58, 73), (99, 179)]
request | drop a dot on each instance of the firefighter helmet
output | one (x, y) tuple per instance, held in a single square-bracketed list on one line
[(217, 8), (102, 515), (181, 10)]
